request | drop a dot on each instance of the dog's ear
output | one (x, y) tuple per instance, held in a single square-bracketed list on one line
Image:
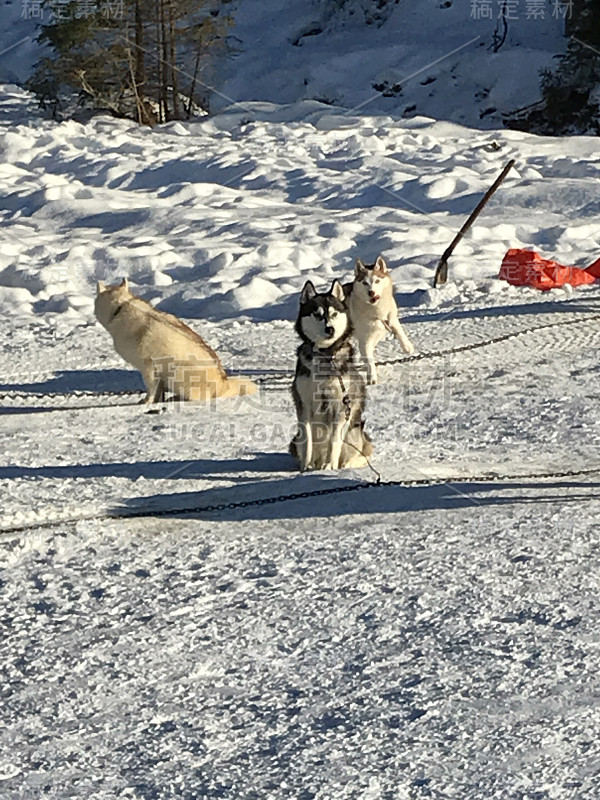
[(100, 287), (359, 267), (337, 291), (381, 264), (308, 291), (124, 284)]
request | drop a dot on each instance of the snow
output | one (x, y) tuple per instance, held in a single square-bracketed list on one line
[(272, 661), (427, 58), (435, 640), (108, 199)]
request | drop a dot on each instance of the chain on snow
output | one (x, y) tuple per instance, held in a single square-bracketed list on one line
[(216, 508), (77, 394), (266, 380), (281, 379), (495, 340), (283, 498)]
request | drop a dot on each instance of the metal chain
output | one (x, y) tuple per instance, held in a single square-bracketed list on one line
[(487, 342), (589, 317), (284, 498), (78, 394), (281, 379)]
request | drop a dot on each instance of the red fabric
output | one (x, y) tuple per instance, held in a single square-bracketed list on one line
[(528, 268), (594, 269)]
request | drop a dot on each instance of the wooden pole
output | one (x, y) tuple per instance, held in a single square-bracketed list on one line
[(441, 273)]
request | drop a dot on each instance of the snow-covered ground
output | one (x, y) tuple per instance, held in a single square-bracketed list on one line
[(432, 57), (397, 642)]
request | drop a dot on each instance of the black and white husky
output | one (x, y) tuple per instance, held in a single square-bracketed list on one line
[(328, 390)]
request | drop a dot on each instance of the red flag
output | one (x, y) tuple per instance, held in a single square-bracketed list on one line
[(528, 268)]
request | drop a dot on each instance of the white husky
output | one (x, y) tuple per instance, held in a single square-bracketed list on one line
[(373, 311), (169, 354)]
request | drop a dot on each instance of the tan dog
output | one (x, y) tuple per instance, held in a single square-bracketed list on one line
[(169, 354), (373, 311)]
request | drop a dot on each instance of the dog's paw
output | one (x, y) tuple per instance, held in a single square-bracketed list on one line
[(409, 349)]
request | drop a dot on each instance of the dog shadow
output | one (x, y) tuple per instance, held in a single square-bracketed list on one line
[(291, 499), (196, 469), (83, 380)]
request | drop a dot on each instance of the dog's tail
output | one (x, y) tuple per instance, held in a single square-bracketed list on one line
[(235, 387)]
